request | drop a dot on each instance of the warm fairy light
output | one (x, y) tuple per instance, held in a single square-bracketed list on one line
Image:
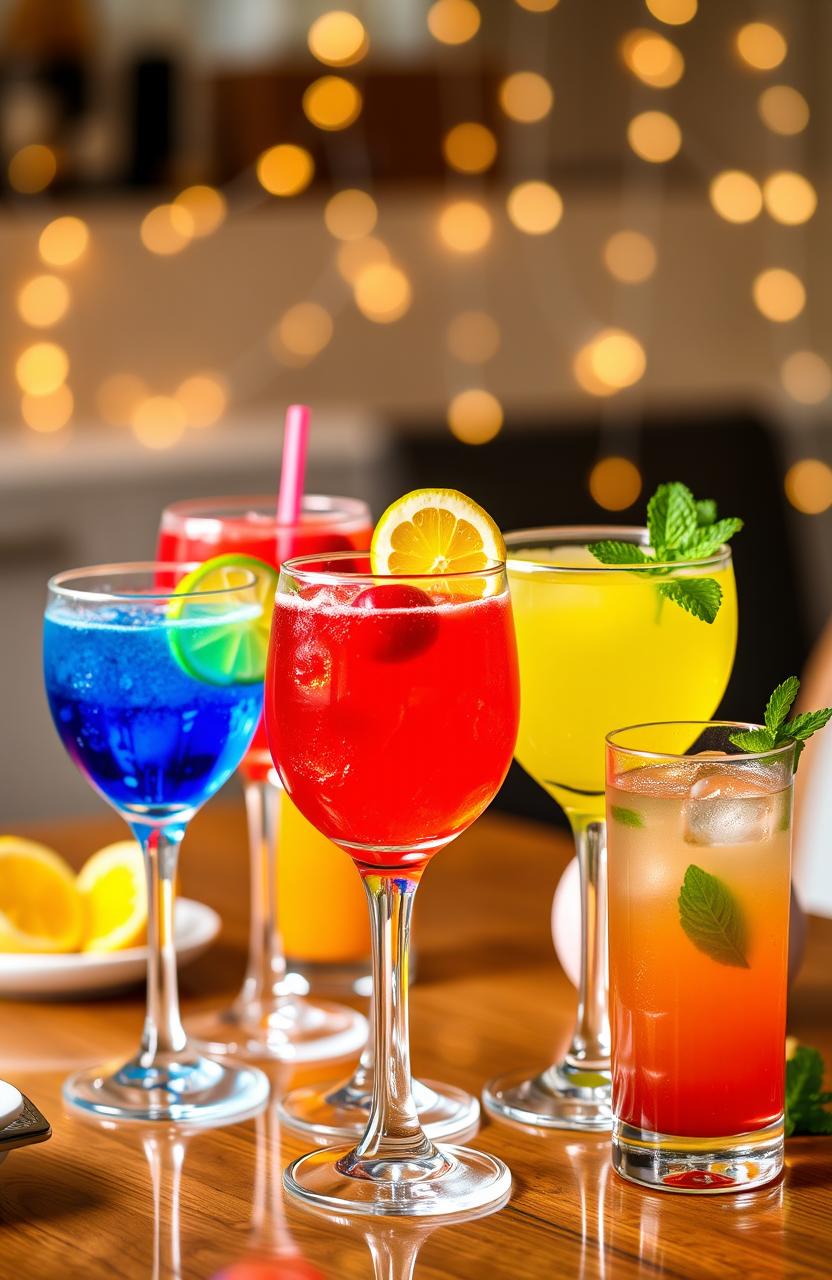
[(537, 6), (673, 12), (285, 170), (382, 293), (63, 241), (119, 396), (534, 207), (350, 214), (473, 337), (453, 21), (783, 109), (301, 333), (790, 198), (808, 486), (761, 46), (615, 483), (203, 397), (31, 169), (585, 375), (465, 226), (355, 256), (159, 422), (654, 136), (48, 413), (41, 368), (630, 257), (653, 58), (475, 416), (43, 301), (736, 196), (207, 208), (779, 294), (332, 103), (526, 97), (166, 229), (338, 39), (806, 376), (469, 148), (617, 358)]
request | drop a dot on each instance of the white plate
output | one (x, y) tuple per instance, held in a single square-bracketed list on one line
[(195, 928), (11, 1103)]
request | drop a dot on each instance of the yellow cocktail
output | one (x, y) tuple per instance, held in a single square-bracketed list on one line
[(602, 646)]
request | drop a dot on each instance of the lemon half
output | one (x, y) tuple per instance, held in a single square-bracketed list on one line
[(113, 890), (40, 906)]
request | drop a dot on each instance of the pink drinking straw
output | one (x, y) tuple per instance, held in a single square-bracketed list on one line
[(293, 466)]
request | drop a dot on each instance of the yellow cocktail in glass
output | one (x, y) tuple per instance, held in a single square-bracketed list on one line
[(600, 646)]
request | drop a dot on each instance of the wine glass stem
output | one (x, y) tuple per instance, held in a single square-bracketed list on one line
[(163, 1036), (393, 1129), (266, 972), (590, 1047)]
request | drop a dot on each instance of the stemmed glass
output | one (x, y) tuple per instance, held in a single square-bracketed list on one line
[(268, 1019), (391, 709), (599, 646), (148, 702)]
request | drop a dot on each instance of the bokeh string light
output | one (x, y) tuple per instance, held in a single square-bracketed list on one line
[(526, 97), (469, 147), (473, 337), (167, 229), (64, 241), (779, 294), (32, 169), (808, 486), (736, 196), (332, 103), (465, 226), (534, 207), (350, 214), (807, 377), (453, 21), (382, 293), (674, 12), (301, 334), (783, 109), (630, 257), (475, 416), (338, 39), (615, 483), (789, 198), (652, 58), (43, 300), (654, 136), (761, 46), (285, 169)]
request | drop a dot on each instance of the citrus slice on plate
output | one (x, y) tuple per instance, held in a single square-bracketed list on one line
[(113, 891), (437, 531), (40, 907), (214, 641)]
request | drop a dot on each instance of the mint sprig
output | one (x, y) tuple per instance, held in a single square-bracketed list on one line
[(681, 528), (806, 1101), (712, 918), (777, 730)]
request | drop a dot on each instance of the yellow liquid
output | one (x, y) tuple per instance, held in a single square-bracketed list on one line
[(322, 906), (600, 651)]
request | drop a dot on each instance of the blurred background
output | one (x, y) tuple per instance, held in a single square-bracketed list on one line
[(551, 252)]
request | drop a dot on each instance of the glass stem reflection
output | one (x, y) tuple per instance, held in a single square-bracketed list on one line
[(590, 1047), (266, 972), (163, 1037)]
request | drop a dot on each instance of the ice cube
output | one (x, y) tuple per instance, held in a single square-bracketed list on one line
[(729, 808)]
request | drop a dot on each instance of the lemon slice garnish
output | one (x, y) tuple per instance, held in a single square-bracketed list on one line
[(113, 890), (40, 906), (438, 531)]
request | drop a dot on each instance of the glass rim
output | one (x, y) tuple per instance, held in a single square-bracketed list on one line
[(294, 567), (127, 568), (727, 758), (331, 508), (581, 533)]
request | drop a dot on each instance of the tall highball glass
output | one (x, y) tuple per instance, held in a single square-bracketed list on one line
[(599, 646), (391, 709), (147, 701)]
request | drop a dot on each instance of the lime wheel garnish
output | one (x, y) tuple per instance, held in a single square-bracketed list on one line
[(228, 639)]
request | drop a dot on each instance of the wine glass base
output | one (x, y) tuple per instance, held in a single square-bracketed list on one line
[(343, 1111), (562, 1097), (464, 1180), (197, 1091), (293, 1030)]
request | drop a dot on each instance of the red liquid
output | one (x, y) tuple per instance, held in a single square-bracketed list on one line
[(254, 534), (392, 728)]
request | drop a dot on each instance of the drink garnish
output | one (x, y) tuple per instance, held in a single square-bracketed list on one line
[(712, 918), (413, 628), (681, 529), (806, 1100), (776, 730), (627, 817), (438, 531), (230, 652)]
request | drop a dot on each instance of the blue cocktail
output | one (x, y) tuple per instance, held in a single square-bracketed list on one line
[(156, 693)]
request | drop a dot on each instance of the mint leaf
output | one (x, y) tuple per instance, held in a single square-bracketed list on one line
[(803, 726), (627, 817), (671, 518), (610, 552), (705, 511), (780, 701), (711, 917), (805, 1100), (753, 740), (707, 542), (699, 596)]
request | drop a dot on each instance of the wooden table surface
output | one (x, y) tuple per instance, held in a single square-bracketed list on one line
[(489, 997)]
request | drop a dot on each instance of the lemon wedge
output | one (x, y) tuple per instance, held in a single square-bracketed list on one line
[(40, 906), (113, 891), (437, 531)]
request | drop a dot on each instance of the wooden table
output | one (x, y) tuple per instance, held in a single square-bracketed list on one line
[(489, 997)]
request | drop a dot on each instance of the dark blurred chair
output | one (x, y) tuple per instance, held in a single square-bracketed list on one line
[(534, 474)]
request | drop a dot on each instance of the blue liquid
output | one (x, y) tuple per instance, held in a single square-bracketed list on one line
[(153, 739)]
